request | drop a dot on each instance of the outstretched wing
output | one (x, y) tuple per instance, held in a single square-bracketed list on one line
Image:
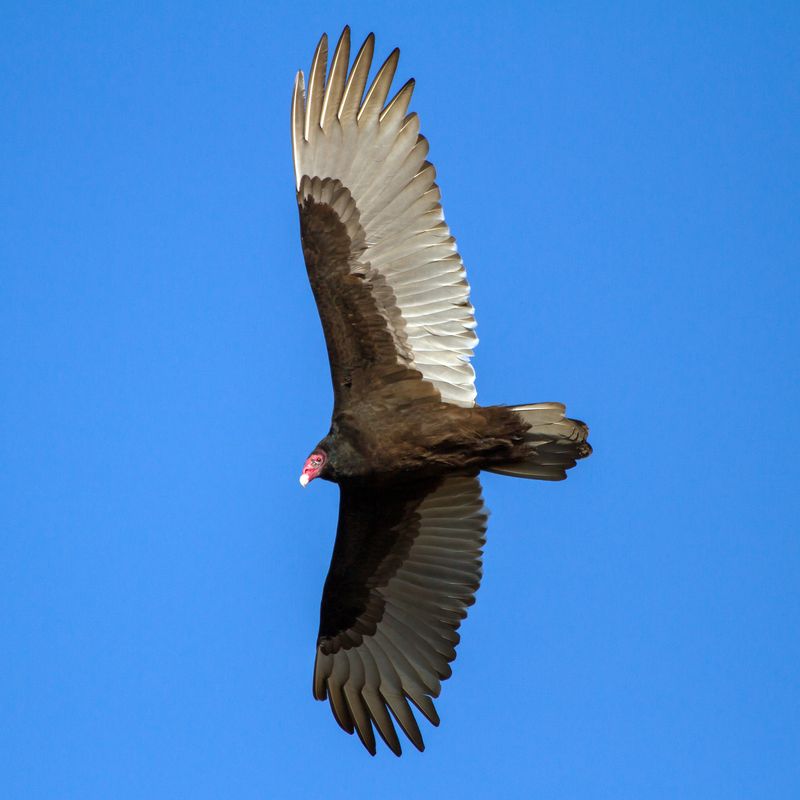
[(405, 567), (389, 283)]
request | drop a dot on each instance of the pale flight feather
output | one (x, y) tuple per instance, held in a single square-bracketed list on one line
[(376, 151)]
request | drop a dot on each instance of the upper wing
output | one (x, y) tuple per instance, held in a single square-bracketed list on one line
[(405, 567), (364, 162)]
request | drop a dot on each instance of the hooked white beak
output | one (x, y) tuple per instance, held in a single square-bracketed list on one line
[(304, 480)]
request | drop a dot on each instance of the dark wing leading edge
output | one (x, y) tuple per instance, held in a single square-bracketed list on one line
[(405, 567), (389, 283)]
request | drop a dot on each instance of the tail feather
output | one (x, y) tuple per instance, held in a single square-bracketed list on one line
[(555, 442)]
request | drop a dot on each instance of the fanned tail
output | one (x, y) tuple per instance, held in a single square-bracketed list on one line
[(556, 443)]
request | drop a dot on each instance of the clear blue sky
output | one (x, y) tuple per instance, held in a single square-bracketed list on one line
[(623, 182)]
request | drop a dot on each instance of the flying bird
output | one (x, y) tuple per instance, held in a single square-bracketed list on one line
[(407, 440)]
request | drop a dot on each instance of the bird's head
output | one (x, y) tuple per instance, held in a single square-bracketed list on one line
[(313, 467)]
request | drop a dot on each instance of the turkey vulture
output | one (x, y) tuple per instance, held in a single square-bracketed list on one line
[(406, 441)]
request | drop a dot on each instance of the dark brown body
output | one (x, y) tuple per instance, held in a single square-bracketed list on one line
[(421, 440)]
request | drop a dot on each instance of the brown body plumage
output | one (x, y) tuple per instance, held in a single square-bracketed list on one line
[(424, 439)]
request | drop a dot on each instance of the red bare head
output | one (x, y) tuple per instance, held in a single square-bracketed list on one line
[(312, 468)]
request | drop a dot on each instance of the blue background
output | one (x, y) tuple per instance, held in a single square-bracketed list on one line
[(623, 183)]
